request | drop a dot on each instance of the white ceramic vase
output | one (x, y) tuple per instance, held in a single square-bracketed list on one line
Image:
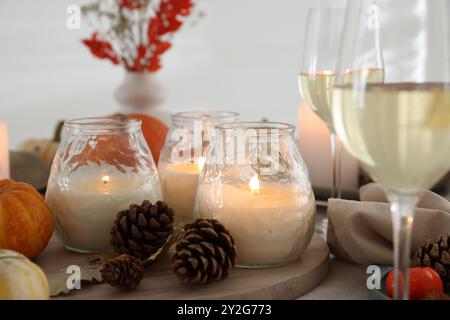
[(139, 92)]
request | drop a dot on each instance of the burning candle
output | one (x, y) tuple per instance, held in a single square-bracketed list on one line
[(85, 208), (272, 223), (4, 152), (179, 183), (182, 158), (102, 166)]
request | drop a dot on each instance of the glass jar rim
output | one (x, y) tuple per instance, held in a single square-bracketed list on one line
[(213, 116), (255, 125), (103, 124)]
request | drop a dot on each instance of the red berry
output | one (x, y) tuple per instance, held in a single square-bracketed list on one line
[(422, 280)]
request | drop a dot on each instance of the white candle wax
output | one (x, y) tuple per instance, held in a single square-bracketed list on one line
[(84, 210), (314, 145), (4, 152), (271, 223), (179, 183)]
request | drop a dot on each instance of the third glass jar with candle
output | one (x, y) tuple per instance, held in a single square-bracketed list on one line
[(183, 156), (256, 184)]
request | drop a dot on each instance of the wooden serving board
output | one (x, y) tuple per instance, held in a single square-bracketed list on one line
[(286, 282)]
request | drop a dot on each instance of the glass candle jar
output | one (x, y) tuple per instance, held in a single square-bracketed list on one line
[(102, 166), (183, 156), (256, 184)]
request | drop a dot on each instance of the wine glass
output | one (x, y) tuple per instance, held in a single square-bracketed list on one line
[(399, 130), (317, 74)]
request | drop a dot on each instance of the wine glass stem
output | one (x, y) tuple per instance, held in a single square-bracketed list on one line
[(336, 165), (402, 210), (338, 168)]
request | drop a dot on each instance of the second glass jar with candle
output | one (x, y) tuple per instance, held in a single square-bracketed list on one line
[(103, 165), (183, 156), (256, 184)]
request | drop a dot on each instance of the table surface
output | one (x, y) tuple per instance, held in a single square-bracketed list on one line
[(344, 281)]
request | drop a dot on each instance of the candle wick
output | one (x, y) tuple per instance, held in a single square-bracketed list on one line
[(105, 184)]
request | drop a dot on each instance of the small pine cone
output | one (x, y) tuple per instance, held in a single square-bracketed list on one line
[(206, 252), (142, 229), (124, 272), (437, 256)]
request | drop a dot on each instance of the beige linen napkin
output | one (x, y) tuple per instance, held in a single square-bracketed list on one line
[(361, 231)]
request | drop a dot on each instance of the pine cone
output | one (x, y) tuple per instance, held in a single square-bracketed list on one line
[(437, 256), (205, 252), (141, 230), (124, 271)]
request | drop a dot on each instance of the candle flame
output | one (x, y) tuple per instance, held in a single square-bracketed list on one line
[(254, 184), (410, 220), (201, 163), (105, 180), (328, 72)]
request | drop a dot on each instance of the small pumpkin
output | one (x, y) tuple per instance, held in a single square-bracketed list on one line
[(45, 148), (25, 219), (154, 132), (21, 279)]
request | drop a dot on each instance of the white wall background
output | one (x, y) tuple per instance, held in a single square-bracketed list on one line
[(244, 55)]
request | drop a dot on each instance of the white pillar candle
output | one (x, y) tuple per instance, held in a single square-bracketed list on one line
[(179, 183), (4, 152), (314, 145), (271, 223), (85, 208)]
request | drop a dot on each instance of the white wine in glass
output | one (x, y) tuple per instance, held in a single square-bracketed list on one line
[(398, 130), (317, 75), (317, 88)]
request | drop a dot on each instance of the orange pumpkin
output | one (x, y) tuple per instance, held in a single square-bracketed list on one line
[(25, 219), (154, 132)]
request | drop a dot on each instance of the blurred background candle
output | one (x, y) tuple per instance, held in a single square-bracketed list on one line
[(4, 152), (314, 144), (183, 156), (179, 186)]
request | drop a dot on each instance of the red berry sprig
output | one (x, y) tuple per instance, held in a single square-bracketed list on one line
[(168, 18)]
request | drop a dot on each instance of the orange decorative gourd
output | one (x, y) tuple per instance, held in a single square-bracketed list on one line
[(154, 132), (25, 219)]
